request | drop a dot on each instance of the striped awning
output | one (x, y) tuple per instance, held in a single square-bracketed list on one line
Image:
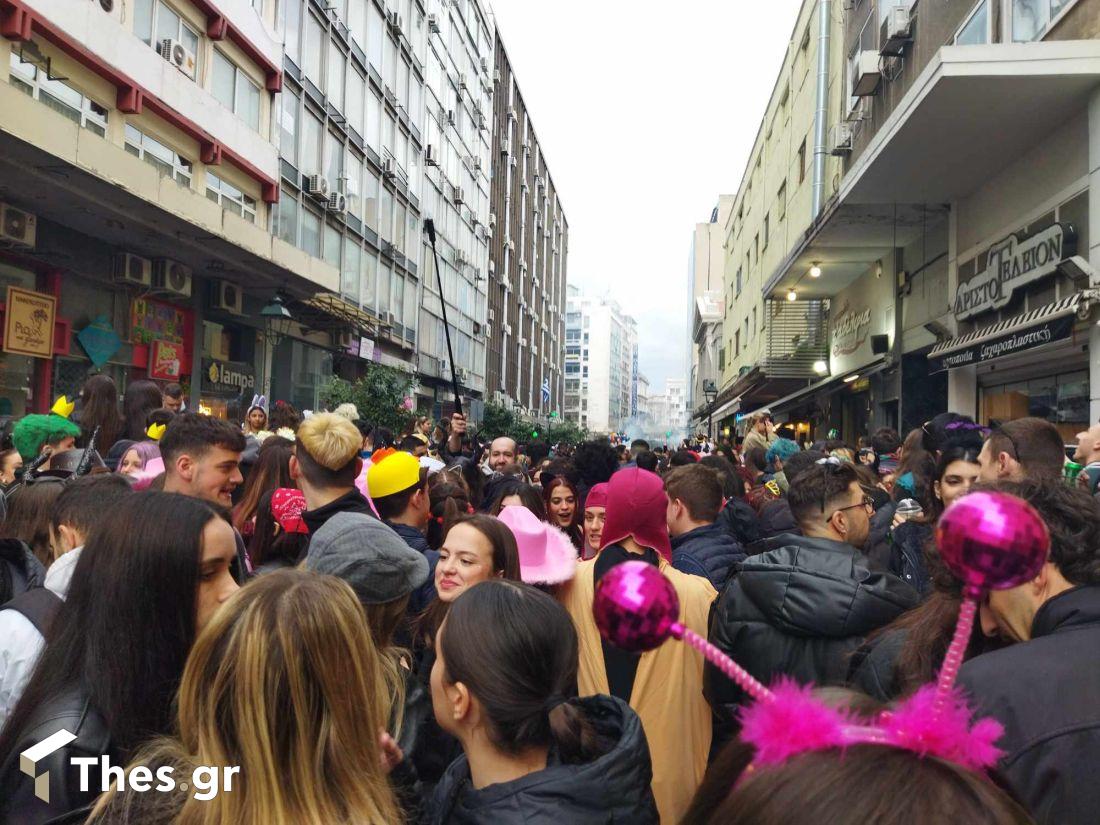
[(1066, 306)]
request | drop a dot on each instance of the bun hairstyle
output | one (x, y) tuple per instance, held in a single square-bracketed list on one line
[(449, 502), (515, 650)]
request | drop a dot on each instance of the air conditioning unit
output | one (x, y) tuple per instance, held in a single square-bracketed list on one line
[(553, 309), (489, 232), (462, 375), (17, 227), (488, 328), (492, 266), (389, 168), (433, 23), (132, 269), (178, 55), (485, 64), (522, 341), (389, 249), (477, 328), (228, 297), (507, 329), (452, 118), (840, 139), (338, 202), (395, 21), (492, 314), (430, 157), (496, 75), (510, 245), (511, 112), (345, 340), (505, 146), (492, 219), (460, 196), (866, 74), (317, 187), (387, 319), (896, 32), (462, 81), (171, 276), (861, 111)]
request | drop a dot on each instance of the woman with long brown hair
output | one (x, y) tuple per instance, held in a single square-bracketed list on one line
[(563, 508), (99, 408), (286, 684), (270, 472)]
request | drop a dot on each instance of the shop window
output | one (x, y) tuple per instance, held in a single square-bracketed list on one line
[(58, 95), (976, 29), (155, 21), (168, 162), (235, 91), (1031, 19), (230, 197)]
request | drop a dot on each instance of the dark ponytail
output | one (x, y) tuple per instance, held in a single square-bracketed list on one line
[(515, 649)]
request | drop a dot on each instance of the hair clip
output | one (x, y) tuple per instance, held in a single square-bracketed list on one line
[(63, 407), (155, 431), (829, 460), (989, 540)]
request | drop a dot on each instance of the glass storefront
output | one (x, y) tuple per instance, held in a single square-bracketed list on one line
[(298, 371), (1062, 399)]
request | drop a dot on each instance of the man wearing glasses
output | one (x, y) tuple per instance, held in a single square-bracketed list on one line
[(804, 605)]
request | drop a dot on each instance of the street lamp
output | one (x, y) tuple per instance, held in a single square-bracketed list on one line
[(277, 320), (710, 390)]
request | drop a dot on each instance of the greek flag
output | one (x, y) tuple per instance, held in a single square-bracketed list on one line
[(546, 390)]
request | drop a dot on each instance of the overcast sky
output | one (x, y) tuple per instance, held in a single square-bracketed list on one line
[(646, 112)]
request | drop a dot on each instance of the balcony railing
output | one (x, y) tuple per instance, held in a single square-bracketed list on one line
[(798, 336)]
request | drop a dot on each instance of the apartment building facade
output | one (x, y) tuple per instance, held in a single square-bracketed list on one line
[(139, 177), (529, 243), (706, 272), (601, 356)]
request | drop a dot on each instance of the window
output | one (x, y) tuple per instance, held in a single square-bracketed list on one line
[(286, 220), (754, 327), (737, 343), (337, 60), (1031, 18), (154, 21), (370, 274), (802, 161), (158, 155), (781, 201), (373, 136), (288, 126), (235, 91), (354, 106), (767, 222), (59, 96), (976, 28), (353, 184), (312, 50), (311, 233), (292, 10), (331, 252), (739, 280), (349, 274), (230, 197), (375, 34), (370, 200), (756, 248), (310, 155)]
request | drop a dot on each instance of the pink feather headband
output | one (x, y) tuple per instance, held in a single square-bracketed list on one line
[(989, 540)]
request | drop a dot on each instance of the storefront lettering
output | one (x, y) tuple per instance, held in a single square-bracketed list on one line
[(850, 330), (1014, 263), (222, 376), (1009, 344)]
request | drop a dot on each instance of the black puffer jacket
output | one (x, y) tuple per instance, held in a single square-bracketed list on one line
[(740, 521), (612, 788), (707, 551), (907, 542), (19, 569), (776, 519), (799, 609)]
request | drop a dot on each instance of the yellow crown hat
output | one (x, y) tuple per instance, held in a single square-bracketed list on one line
[(155, 431), (63, 407)]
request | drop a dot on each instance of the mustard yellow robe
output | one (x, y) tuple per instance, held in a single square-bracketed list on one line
[(668, 687)]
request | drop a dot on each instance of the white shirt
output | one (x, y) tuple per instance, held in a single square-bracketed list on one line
[(21, 644)]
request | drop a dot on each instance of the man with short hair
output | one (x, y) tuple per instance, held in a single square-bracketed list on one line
[(172, 397), (502, 452), (82, 503), (1045, 690), (202, 457), (1088, 454), (415, 444), (804, 605), (699, 546), (398, 486), (1020, 449), (325, 465)]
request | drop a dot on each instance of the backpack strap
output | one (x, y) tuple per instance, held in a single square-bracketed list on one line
[(39, 606)]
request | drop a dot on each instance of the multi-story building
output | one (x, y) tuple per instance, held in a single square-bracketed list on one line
[(601, 350), (139, 181), (676, 392), (769, 347), (959, 270), (706, 273), (643, 402), (527, 259)]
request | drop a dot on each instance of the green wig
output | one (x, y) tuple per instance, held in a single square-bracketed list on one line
[(33, 431)]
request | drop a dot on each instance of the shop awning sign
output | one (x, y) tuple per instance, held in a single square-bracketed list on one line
[(1009, 343), (1014, 263)]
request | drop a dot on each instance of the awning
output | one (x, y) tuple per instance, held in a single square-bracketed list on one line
[(1031, 330), (327, 310), (729, 408), (833, 382)]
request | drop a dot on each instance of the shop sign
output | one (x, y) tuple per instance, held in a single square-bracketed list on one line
[(28, 323), (155, 320), (1010, 343), (850, 329), (366, 349), (1014, 263), (227, 377), (165, 360)]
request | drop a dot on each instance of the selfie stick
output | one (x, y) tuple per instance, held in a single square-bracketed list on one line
[(429, 227)]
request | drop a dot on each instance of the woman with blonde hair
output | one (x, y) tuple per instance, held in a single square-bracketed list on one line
[(285, 682)]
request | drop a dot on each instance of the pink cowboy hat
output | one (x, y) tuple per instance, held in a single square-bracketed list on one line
[(546, 555)]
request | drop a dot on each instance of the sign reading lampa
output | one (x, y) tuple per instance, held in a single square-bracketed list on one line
[(1014, 263)]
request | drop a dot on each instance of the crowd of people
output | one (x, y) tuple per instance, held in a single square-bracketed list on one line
[(372, 626)]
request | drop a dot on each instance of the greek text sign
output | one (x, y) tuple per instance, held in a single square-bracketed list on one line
[(1014, 263), (1010, 343)]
